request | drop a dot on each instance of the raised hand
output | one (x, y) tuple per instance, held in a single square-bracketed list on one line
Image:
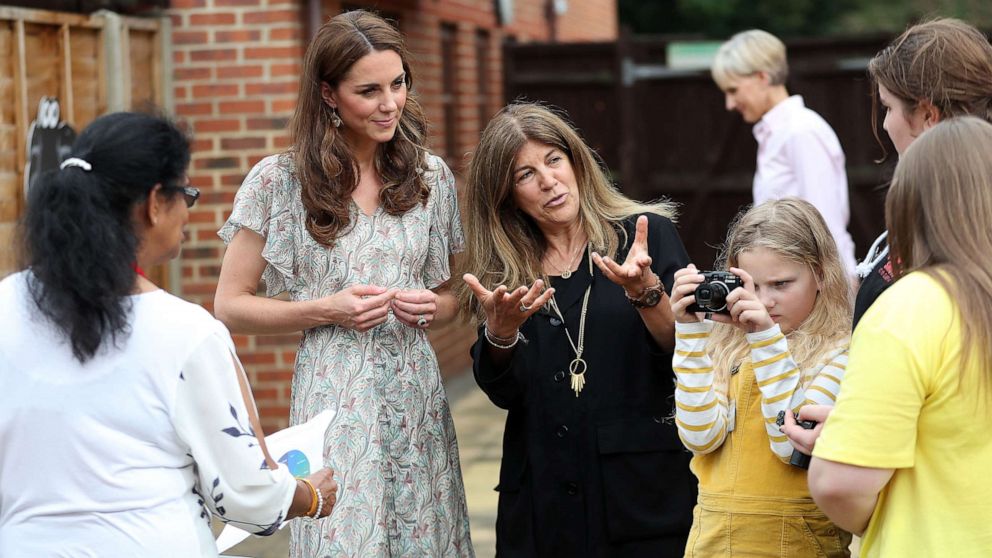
[(507, 310), (415, 307), (683, 294), (746, 310), (635, 274), (358, 307)]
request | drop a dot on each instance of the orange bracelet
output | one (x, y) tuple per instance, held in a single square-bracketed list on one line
[(313, 498)]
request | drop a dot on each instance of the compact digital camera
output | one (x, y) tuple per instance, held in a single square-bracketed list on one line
[(799, 459), (711, 294)]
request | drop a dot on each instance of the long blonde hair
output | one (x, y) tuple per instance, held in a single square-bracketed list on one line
[(504, 245), (793, 229), (939, 216)]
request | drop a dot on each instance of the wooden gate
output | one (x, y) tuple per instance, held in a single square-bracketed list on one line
[(665, 132), (93, 64)]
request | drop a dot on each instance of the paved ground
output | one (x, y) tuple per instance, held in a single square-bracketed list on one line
[(479, 424)]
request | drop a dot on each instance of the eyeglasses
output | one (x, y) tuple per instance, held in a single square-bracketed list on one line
[(191, 194)]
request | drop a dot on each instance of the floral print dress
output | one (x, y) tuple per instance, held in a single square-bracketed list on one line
[(392, 441)]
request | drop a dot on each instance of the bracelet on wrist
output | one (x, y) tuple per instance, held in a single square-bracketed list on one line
[(314, 499), (501, 342)]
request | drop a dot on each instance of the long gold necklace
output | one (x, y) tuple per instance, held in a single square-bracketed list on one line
[(577, 368), (567, 272)]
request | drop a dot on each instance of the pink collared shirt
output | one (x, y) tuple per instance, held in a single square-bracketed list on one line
[(799, 155)]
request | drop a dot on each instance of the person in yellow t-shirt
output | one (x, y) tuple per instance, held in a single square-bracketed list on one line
[(906, 456)]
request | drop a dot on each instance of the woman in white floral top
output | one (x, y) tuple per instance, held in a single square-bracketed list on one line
[(357, 224)]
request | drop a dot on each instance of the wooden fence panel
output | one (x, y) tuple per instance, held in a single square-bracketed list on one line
[(55, 54), (666, 132)]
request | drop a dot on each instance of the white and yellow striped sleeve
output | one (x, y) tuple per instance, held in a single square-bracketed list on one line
[(825, 386), (700, 411), (778, 378)]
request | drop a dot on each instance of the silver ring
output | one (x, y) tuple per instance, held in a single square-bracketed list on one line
[(524, 307), (422, 321)]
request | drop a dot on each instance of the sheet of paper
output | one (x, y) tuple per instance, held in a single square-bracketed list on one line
[(301, 448)]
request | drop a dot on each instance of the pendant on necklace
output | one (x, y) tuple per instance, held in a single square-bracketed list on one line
[(566, 274), (577, 370)]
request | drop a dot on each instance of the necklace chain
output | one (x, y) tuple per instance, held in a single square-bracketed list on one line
[(576, 368), (567, 272)]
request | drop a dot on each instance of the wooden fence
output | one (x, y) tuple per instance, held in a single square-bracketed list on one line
[(665, 132), (92, 64)]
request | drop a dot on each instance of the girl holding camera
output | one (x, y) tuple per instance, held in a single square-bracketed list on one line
[(779, 343)]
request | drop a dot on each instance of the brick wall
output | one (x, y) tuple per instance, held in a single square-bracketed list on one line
[(236, 64)]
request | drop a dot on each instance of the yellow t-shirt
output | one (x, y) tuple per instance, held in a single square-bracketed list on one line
[(907, 405)]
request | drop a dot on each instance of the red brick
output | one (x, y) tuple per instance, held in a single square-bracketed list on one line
[(285, 33), (213, 55), (233, 180), (190, 37), (232, 144), (268, 53), (267, 123), (283, 105), (186, 74), (275, 376), (218, 125), (241, 107), (237, 36), (280, 143), (213, 18), (214, 163), (236, 3), (283, 70), (240, 72), (259, 357), (269, 340), (201, 144), (201, 216), (224, 199), (194, 109), (240, 342), (206, 235), (178, 57), (279, 88), (207, 92), (183, 4), (272, 16)]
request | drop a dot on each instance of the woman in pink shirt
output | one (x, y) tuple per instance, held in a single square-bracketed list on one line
[(798, 152)]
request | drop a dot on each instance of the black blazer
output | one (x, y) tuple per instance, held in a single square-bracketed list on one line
[(602, 474)]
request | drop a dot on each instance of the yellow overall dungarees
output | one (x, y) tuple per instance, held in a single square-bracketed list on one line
[(750, 502)]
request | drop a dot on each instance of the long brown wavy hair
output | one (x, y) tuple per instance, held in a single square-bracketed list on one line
[(504, 245), (945, 62), (793, 229), (939, 215), (325, 166)]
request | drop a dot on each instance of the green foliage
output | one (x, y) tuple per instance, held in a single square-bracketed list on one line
[(718, 19)]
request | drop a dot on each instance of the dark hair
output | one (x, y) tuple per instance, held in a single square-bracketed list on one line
[(325, 166), (945, 62), (78, 237)]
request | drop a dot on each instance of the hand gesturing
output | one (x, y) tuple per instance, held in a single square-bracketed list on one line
[(635, 274), (507, 310)]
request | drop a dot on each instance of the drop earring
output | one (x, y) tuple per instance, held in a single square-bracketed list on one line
[(335, 119)]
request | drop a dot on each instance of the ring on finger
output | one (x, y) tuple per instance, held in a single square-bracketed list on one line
[(422, 321), (524, 307)]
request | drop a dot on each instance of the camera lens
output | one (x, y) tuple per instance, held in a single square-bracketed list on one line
[(718, 296), (703, 295)]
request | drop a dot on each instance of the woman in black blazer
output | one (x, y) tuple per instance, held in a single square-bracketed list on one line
[(581, 359)]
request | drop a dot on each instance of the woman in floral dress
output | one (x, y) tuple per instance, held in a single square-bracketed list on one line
[(357, 223)]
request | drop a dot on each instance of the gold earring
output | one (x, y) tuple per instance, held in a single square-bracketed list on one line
[(335, 119)]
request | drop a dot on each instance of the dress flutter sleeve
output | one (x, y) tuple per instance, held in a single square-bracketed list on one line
[(264, 204), (210, 416), (446, 235)]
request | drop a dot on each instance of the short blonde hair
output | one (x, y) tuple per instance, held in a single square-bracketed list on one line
[(747, 53)]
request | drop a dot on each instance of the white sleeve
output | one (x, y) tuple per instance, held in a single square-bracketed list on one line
[(211, 418), (700, 411), (823, 182)]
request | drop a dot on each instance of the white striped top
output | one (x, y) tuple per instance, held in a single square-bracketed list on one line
[(702, 412)]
